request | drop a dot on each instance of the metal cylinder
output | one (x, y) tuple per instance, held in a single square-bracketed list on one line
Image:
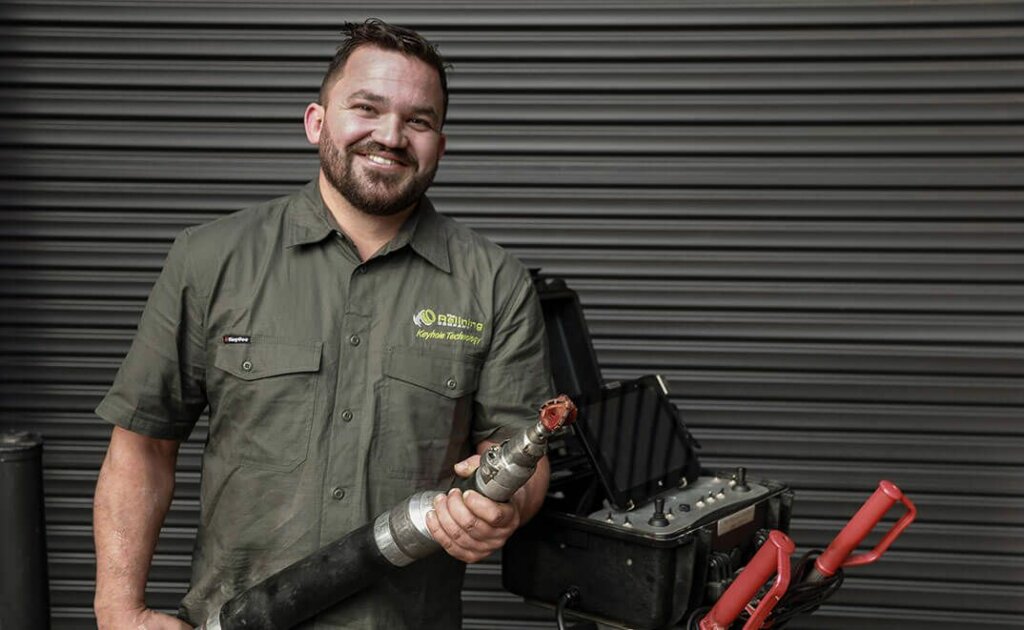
[(25, 596)]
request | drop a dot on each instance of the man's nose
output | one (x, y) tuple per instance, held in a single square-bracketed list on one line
[(390, 132)]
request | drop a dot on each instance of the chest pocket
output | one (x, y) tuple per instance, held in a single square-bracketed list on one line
[(425, 413), (265, 399)]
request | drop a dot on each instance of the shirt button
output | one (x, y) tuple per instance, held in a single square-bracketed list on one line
[(338, 493), (247, 366), (451, 383), (354, 340), (346, 415), (362, 270)]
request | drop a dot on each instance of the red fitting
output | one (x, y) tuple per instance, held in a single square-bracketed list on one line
[(557, 412), (838, 553), (771, 558)]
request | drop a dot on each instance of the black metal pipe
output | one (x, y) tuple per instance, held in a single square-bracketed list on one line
[(25, 595)]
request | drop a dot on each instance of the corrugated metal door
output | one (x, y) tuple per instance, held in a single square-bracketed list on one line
[(807, 215)]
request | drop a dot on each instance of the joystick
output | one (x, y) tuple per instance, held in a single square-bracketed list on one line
[(741, 480), (658, 519)]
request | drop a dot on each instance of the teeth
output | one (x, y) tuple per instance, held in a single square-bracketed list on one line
[(376, 159)]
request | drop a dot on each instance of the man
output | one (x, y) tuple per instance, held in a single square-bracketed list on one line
[(352, 347)]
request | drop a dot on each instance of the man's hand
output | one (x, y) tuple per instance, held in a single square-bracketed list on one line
[(139, 619), (470, 526)]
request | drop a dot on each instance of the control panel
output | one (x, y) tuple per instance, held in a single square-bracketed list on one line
[(678, 509)]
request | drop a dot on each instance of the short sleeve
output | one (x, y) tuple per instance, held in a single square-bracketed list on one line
[(159, 391), (516, 378)]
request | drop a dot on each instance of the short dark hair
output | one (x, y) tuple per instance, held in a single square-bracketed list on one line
[(378, 33)]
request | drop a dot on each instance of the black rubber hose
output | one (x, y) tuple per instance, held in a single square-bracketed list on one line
[(309, 586), (693, 621), (569, 597)]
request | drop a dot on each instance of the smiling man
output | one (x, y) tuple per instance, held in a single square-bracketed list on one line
[(352, 346)]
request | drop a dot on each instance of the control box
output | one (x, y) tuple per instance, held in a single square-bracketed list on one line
[(643, 548), (680, 509), (648, 567)]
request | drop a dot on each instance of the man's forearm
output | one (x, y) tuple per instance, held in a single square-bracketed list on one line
[(534, 491), (133, 493)]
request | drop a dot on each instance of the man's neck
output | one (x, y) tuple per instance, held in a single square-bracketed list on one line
[(366, 231)]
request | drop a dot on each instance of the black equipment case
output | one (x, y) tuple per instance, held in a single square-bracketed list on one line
[(647, 564)]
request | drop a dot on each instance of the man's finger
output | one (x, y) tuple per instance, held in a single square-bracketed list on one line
[(445, 506), (473, 534), (444, 518), (439, 535), (497, 515), (466, 467), (471, 523), (447, 533)]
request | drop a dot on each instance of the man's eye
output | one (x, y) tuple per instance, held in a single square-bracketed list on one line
[(420, 123), (363, 108)]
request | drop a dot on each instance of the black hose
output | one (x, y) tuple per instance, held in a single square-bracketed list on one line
[(569, 597), (693, 621), (309, 586)]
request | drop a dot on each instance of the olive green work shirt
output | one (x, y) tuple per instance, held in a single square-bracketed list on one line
[(336, 388)]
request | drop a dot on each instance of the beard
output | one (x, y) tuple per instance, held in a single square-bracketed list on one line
[(374, 193)]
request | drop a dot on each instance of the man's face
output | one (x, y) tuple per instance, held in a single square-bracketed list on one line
[(380, 141)]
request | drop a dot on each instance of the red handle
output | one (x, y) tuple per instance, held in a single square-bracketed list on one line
[(771, 558), (838, 552)]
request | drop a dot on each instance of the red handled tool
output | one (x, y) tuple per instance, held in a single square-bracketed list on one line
[(816, 579), (857, 529), (771, 558)]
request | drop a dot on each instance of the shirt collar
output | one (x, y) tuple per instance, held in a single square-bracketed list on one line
[(430, 236), (311, 222), (308, 217)]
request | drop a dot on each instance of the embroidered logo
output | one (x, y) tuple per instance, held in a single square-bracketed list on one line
[(235, 338), (435, 326), (425, 317)]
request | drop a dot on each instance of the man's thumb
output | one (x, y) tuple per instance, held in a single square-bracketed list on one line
[(464, 468)]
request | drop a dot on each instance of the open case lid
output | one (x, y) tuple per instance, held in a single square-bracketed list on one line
[(637, 442), (573, 362), (576, 372)]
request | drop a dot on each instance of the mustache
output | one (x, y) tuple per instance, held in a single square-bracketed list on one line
[(369, 146)]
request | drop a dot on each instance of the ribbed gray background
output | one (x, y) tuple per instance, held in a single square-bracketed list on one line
[(806, 215)]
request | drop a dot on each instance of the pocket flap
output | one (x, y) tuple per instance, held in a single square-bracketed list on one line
[(449, 376), (263, 357)]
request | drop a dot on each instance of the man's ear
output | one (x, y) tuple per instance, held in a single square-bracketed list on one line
[(314, 122), (442, 143)]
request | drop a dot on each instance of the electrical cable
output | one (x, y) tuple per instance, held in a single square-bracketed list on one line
[(693, 621), (569, 597)]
